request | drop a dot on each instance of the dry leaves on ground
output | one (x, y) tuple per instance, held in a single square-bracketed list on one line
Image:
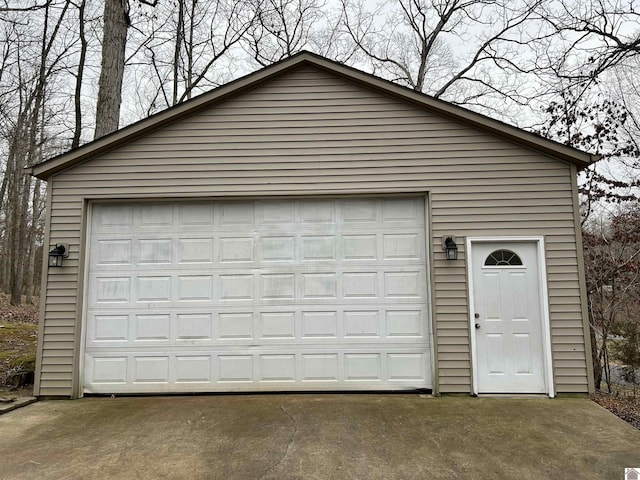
[(624, 406), (25, 313)]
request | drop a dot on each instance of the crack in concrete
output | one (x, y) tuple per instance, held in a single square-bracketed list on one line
[(286, 451)]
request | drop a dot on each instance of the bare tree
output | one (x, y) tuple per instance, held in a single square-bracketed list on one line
[(114, 40), (612, 263), (466, 51), (185, 47), (29, 73), (283, 28), (7, 7), (594, 121), (592, 36)]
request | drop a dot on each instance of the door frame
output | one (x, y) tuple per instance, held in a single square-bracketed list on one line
[(544, 306), (89, 202)]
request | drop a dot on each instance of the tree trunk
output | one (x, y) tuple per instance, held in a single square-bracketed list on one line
[(176, 51), (597, 368), (114, 39), (17, 243), (30, 279), (78, 93)]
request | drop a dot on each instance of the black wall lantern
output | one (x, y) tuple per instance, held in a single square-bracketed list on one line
[(450, 247), (56, 255)]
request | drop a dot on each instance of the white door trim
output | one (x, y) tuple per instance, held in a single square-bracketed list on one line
[(85, 296), (544, 306)]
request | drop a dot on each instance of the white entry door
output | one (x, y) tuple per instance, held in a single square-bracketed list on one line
[(507, 321)]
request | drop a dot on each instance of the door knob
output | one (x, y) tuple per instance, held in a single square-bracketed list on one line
[(477, 325)]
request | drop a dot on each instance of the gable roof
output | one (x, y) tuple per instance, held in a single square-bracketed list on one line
[(108, 142)]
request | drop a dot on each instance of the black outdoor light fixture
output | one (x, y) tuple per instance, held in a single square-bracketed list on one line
[(56, 255), (450, 247)]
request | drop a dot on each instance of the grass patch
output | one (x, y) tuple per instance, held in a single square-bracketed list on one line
[(18, 340), (17, 335)]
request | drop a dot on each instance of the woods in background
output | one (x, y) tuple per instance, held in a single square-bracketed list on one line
[(75, 70)]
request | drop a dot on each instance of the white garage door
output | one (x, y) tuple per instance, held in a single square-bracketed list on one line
[(257, 295)]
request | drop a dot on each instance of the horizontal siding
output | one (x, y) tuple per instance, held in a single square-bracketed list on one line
[(231, 191), (52, 329), (56, 376), (370, 178), (311, 133), (54, 365), (154, 186), (304, 167), (248, 173), (58, 357), (67, 307), (350, 155), (51, 390)]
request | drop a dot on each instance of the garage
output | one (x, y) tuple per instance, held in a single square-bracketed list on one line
[(286, 294), (285, 232)]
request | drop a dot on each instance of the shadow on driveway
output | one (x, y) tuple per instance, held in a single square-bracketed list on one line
[(316, 437)]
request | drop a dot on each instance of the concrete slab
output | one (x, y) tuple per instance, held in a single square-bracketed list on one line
[(316, 437), (9, 403)]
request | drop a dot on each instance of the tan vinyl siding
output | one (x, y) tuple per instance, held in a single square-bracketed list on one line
[(313, 133)]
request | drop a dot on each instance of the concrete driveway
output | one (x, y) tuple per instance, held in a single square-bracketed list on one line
[(315, 437)]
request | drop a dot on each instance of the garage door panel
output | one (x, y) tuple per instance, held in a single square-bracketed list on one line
[(193, 288), (359, 211), (152, 289), (299, 325), (151, 328), (261, 371), (155, 251), (196, 215), (109, 217), (199, 250), (240, 290), (312, 213), (365, 284), (286, 295), (109, 290), (193, 369), (234, 368), (347, 212), (150, 369), (276, 326), (111, 370), (195, 326), (116, 252), (109, 328), (130, 253)]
